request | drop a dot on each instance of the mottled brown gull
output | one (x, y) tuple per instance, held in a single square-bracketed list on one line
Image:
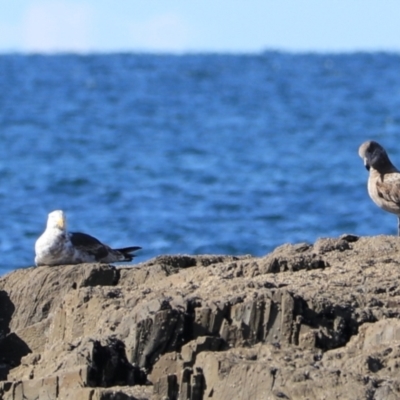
[(384, 178)]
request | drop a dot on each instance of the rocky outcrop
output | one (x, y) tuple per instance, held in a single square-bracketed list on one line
[(304, 322)]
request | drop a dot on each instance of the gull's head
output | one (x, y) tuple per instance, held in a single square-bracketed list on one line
[(373, 155), (57, 220)]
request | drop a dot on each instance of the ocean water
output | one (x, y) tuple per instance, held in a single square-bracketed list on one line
[(194, 154)]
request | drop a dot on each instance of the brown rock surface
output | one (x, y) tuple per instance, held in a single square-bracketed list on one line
[(304, 322)]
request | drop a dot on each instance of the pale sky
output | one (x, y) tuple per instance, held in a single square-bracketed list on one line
[(199, 25)]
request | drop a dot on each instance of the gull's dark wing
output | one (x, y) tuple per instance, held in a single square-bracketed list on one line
[(89, 244)]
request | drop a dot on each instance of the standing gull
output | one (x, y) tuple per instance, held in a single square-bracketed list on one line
[(384, 178), (56, 246)]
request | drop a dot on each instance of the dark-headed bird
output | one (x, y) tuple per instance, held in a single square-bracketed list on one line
[(384, 178), (57, 246)]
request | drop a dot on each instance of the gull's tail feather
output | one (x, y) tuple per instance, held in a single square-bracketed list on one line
[(126, 252)]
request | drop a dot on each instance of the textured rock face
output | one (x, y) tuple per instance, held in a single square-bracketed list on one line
[(305, 321)]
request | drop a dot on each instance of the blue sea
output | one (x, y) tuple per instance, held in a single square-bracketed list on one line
[(193, 154)]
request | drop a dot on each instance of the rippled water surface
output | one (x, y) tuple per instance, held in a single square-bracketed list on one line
[(193, 154)]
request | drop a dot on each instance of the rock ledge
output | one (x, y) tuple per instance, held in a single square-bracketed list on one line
[(306, 321)]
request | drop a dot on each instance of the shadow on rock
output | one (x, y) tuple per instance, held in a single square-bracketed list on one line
[(12, 348)]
